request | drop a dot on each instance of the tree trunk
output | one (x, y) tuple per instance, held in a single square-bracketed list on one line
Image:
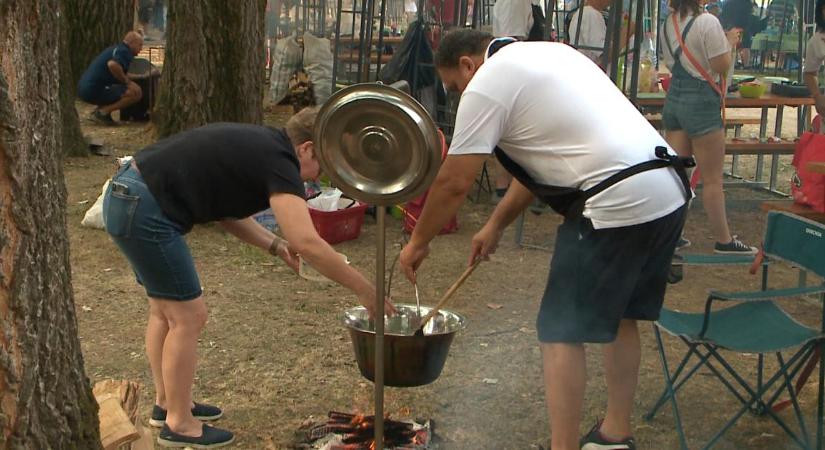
[(45, 397), (89, 26), (214, 64), (74, 144), (93, 25)]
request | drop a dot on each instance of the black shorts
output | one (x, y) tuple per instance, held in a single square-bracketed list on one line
[(599, 277), (102, 95)]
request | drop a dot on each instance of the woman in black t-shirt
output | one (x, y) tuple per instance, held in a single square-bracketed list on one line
[(223, 173)]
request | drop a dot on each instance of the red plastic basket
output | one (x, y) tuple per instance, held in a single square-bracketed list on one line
[(339, 226)]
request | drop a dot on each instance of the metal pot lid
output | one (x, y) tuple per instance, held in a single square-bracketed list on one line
[(377, 144)]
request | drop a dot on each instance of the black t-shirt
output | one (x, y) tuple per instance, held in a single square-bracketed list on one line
[(219, 171)]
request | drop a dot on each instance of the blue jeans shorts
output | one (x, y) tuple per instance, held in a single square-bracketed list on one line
[(153, 244), (599, 277), (693, 106)]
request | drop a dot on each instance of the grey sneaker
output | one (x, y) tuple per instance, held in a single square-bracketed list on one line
[(594, 440), (682, 243), (100, 118), (734, 247)]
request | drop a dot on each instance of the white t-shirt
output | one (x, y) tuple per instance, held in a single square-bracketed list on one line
[(705, 40), (815, 53), (556, 114), (512, 18), (591, 34)]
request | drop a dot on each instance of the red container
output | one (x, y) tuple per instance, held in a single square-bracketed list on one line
[(665, 80), (413, 209), (339, 226)]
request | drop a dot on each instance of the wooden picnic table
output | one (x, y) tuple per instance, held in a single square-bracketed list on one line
[(656, 101)]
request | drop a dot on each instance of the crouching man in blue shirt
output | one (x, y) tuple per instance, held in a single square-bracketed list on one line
[(105, 83)]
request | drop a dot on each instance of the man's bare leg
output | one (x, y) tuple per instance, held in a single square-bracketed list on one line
[(565, 378), (621, 367), (132, 95)]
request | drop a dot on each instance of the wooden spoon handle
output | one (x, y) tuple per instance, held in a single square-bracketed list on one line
[(449, 293)]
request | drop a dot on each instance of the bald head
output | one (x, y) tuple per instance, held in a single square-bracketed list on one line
[(134, 41)]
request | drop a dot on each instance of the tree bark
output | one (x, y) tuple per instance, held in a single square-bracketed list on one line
[(89, 26), (74, 144), (45, 397), (214, 64)]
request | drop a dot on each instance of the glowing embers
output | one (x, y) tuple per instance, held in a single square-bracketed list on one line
[(344, 431)]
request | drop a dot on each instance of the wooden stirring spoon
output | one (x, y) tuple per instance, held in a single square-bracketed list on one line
[(420, 329)]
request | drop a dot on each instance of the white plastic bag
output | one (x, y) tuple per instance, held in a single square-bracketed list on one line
[(94, 216), (326, 201)]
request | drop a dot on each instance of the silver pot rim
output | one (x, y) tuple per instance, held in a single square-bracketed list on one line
[(445, 322)]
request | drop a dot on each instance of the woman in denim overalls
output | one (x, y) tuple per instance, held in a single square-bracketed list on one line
[(692, 114)]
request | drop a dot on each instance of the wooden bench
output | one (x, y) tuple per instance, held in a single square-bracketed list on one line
[(387, 40), (755, 147), (738, 147), (734, 123), (353, 58)]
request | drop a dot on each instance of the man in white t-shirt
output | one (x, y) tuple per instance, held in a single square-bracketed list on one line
[(571, 138), (512, 18), (593, 30), (814, 57)]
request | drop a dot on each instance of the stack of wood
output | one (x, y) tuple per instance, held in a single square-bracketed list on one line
[(120, 425), (301, 93)]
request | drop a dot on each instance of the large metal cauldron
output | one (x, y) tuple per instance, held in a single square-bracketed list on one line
[(408, 360)]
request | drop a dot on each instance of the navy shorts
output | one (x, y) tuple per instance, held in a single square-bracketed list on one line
[(599, 277), (102, 95), (693, 106), (153, 244)]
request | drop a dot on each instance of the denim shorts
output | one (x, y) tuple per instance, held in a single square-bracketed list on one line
[(693, 106), (599, 277), (153, 244)]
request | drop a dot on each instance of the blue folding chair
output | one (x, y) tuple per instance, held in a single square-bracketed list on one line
[(756, 324)]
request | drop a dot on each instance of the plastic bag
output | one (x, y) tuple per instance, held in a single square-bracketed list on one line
[(94, 216), (326, 201)]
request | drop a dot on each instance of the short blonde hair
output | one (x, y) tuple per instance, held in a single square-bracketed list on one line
[(301, 126)]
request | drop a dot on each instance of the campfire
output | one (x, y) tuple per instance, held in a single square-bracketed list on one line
[(344, 431)]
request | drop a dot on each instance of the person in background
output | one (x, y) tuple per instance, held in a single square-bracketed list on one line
[(224, 173), (105, 82), (692, 115), (587, 28), (814, 56), (534, 104), (511, 18), (593, 31), (782, 15), (737, 14), (713, 8)]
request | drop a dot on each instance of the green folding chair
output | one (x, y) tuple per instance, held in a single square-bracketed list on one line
[(755, 324)]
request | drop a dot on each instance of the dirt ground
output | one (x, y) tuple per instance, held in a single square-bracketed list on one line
[(275, 353)]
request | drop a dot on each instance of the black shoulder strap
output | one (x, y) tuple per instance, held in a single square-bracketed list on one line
[(678, 51), (678, 163)]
